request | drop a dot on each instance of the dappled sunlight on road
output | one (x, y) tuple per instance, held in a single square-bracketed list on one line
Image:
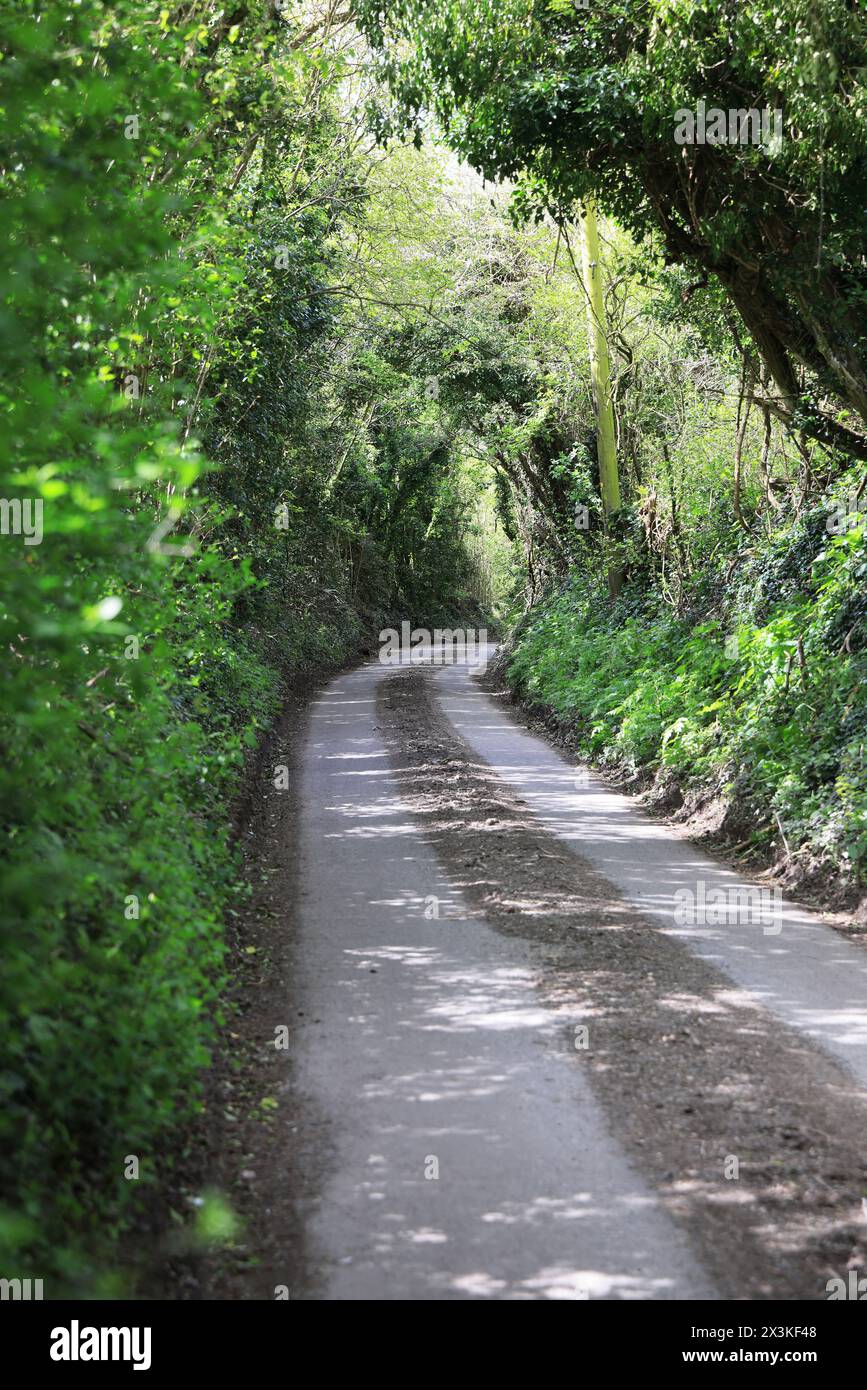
[(790, 963), (473, 1151), (470, 1159)]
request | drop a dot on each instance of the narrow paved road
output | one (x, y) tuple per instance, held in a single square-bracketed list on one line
[(468, 1155)]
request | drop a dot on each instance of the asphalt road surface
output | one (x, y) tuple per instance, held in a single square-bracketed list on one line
[(468, 1155)]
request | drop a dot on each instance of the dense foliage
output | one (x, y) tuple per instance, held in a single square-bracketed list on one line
[(233, 464), (573, 100), (751, 705), (268, 385)]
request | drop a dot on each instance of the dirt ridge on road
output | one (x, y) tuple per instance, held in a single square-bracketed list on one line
[(691, 1074)]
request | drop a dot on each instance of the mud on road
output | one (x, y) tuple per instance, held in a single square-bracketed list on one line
[(696, 1080)]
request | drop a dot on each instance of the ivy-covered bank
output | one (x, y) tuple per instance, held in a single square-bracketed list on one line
[(752, 699), (219, 465), (118, 969)]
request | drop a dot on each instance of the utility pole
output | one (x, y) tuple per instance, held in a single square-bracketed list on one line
[(600, 370)]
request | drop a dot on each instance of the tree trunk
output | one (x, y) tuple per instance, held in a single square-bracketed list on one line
[(600, 369)]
